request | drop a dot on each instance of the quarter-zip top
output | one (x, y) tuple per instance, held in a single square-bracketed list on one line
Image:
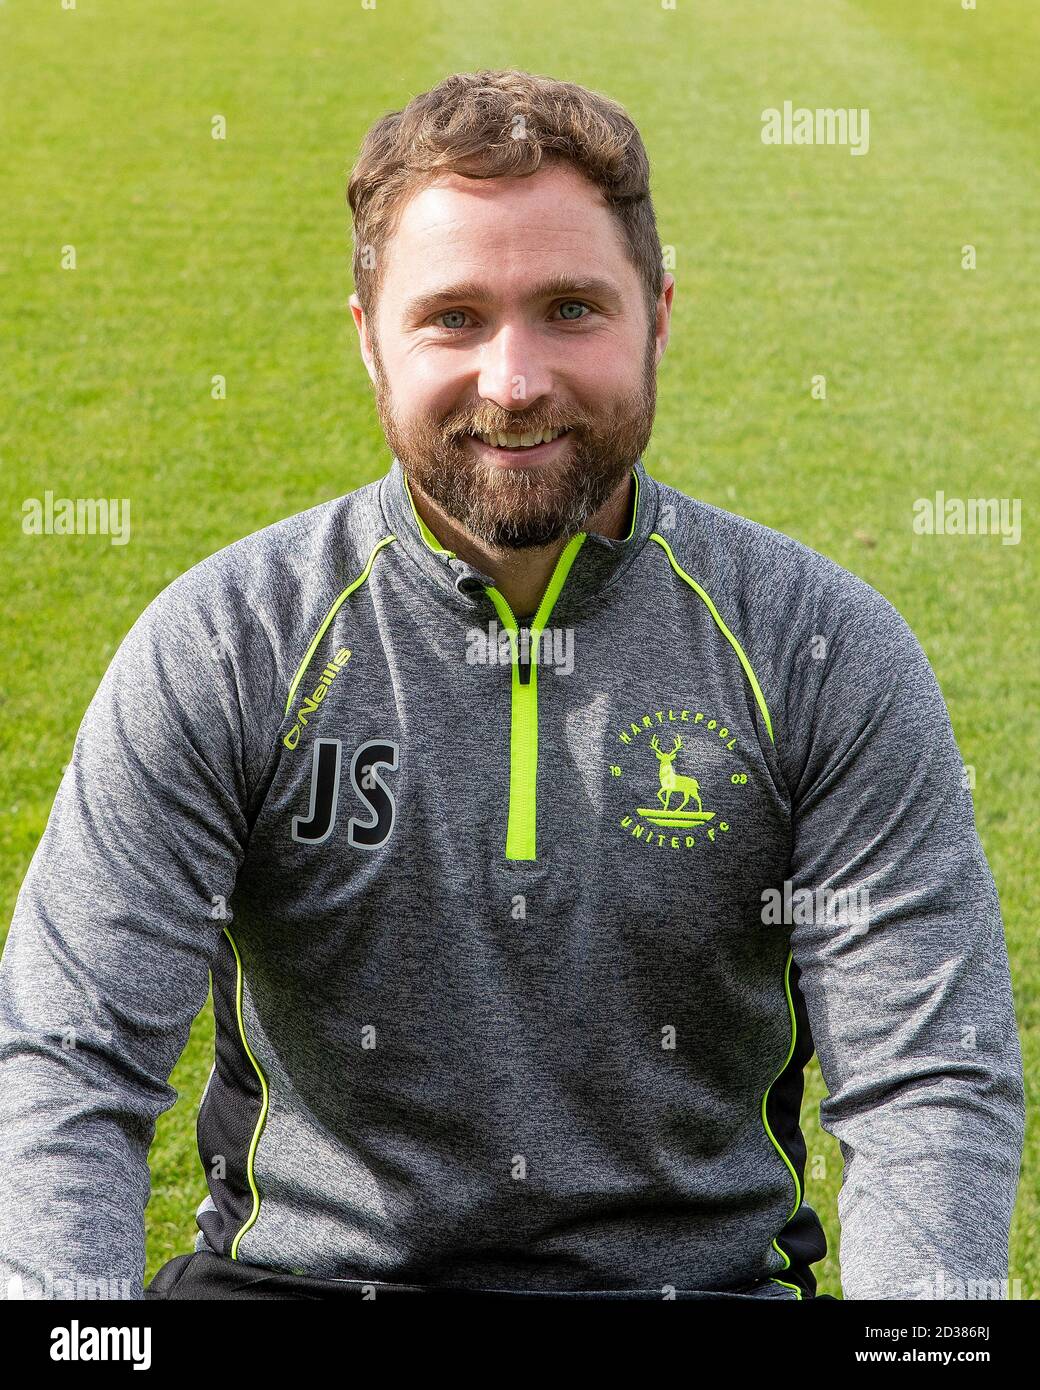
[(517, 956)]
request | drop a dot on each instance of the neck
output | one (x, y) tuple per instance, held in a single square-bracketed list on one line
[(521, 576)]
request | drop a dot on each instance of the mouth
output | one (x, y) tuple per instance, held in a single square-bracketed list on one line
[(513, 450)]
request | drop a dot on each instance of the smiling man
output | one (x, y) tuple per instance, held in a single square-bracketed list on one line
[(516, 401), (516, 970)]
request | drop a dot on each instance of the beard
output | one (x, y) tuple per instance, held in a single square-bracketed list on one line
[(517, 508)]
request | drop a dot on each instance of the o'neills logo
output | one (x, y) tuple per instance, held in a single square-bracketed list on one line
[(316, 696)]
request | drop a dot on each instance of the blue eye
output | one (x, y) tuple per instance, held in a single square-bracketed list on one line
[(461, 314)]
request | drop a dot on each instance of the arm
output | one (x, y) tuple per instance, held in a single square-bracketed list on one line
[(106, 962), (910, 1007)]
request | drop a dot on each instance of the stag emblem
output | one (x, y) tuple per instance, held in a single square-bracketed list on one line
[(672, 781)]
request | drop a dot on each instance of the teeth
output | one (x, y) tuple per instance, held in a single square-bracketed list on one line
[(519, 441)]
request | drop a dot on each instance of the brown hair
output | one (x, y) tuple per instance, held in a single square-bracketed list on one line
[(468, 125)]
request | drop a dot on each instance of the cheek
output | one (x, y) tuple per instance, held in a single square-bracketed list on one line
[(603, 368), (427, 389)]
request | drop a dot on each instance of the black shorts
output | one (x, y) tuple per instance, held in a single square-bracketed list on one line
[(204, 1274)]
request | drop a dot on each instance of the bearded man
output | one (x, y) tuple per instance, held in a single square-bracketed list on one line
[(516, 968)]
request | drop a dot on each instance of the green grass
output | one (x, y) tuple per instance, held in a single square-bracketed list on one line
[(197, 257)]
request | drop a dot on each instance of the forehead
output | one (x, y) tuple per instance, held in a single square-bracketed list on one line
[(457, 226)]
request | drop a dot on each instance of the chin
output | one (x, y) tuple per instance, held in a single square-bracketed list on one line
[(506, 535)]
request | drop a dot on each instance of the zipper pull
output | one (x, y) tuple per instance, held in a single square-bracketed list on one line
[(524, 663)]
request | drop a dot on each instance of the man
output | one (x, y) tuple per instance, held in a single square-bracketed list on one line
[(535, 820)]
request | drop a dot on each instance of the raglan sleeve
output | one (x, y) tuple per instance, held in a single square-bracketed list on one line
[(106, 961), (903, 966)]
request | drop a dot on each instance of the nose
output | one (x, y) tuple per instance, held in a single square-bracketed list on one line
[(514, 371)]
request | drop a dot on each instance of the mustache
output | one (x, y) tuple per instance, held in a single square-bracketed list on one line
[(458, 426)]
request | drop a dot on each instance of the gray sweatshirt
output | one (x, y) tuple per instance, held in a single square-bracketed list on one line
[(516, 964)]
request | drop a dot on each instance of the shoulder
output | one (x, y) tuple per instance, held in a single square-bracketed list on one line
[(772, 583), (830, 651), (281, 577)]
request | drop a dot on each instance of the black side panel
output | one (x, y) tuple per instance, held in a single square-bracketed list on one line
[(229, 1114), (803, 1238)]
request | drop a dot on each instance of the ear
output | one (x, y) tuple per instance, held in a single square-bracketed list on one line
[(361, 323), (664, 313)]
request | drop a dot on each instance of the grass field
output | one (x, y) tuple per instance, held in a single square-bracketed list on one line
[(197, 257)]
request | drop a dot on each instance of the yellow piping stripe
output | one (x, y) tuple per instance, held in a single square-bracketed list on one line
[(761, 702), (772, 1136), (784, 1281), (760, 698), (263, 1111), (424, 531), (329, 617)]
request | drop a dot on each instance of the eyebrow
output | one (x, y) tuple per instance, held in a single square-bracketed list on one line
[(475, 292)]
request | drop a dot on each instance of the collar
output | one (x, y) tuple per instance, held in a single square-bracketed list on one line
[(598, 561)]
